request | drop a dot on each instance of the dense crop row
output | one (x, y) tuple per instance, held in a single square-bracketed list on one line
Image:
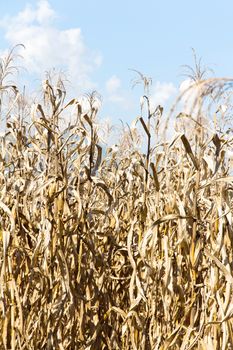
[(125, 251)]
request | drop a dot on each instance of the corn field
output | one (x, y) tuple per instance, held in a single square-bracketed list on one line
[(118, 249)]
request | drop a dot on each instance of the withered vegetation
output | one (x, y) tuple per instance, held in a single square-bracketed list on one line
[(122, 251)]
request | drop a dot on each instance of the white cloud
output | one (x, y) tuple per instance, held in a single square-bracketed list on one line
[(189, 92), (116, 98), (113, 84), (161, 92), (114, 94), (185, 84), (112, 87), (47, 47)]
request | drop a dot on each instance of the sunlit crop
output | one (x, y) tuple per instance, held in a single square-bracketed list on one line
[(124, 248)]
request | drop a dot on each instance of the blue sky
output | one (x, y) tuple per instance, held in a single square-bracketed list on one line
[(96, 42)]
